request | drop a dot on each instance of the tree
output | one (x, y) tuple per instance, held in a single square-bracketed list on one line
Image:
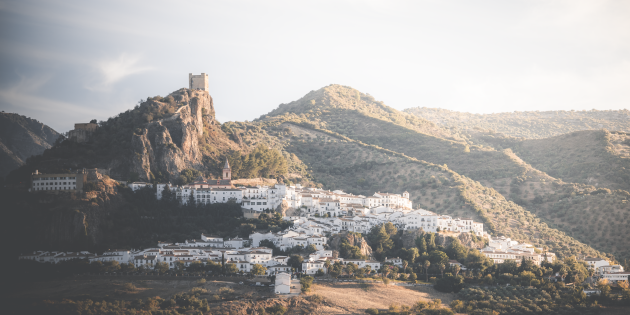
[(455, 268), (161, 267), (179, 266), (351, 268), (413, 276), (426, 266), (258, 270), (311, 248), (421, 243), (295, 261), (231, 268), (527, 276), (456, 250), (306, 283), (127, 267), (430, 241), (564, 271), (327, 264), (438, 257), (381, 240), (391, 229), (441, 267)]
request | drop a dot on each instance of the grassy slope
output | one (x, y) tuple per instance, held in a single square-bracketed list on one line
[(530, 125)]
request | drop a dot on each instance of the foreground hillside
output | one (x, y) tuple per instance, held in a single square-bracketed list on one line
[(529, 125), (21, 138)]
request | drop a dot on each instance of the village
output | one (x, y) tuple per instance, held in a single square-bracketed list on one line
[(316, 215)]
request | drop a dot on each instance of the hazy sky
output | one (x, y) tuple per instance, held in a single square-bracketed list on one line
[(63, 62)]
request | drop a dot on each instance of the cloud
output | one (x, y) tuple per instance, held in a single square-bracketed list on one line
[(23, 99), (113, 70)]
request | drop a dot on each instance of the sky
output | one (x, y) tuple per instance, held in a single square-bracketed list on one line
[(63, 62)]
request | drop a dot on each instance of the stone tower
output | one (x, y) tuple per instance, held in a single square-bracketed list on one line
[(198, 82), (227, 173)]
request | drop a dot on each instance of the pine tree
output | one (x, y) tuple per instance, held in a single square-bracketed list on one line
[(421, 243)]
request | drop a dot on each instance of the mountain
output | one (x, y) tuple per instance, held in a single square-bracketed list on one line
[(350, 141), (339, 138), (21, 138), (529, 125)]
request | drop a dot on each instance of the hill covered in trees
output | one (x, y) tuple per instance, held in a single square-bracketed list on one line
[(529, 125)]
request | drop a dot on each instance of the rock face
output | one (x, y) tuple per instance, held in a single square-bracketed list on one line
[(21, 138), (76, 220), (354, 240), (171, 145)]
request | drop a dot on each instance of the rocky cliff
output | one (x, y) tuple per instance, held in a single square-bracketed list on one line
[(354, 240), (171, 145), (21, 138)]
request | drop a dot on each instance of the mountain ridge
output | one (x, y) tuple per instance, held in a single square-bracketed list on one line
[(21, 138)]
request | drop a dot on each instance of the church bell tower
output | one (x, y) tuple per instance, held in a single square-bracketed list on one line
[(227, 173)]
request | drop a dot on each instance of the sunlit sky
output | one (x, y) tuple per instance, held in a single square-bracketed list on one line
[(63, 62)]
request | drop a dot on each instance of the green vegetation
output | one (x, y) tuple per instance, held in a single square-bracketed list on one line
[(306, 282), (261, 162)]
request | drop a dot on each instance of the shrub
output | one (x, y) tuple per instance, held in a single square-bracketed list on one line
[(129, 286), (371, 311)]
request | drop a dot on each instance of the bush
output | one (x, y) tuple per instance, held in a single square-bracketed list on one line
[(201, 281), (450, 284), (129, 286), (371, 311), (276, 310)]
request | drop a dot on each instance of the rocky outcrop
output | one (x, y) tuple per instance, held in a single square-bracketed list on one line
[(283, 208), (354, 239), (21, 138), (171, 145)]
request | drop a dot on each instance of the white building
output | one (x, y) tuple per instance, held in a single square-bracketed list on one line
[(613, 277), (283, 283)]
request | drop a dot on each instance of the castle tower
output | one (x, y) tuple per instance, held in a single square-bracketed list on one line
[(227, 173), (198, 82)]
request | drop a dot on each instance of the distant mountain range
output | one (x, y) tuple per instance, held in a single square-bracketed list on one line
[(552, 180), (20, 138)]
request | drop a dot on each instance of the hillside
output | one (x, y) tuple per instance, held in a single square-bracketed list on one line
[(529, 125), (339, 138), (598, 158), (21, 138), (328, 156)]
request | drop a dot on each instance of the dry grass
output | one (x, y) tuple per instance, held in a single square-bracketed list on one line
[(352, 298)]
